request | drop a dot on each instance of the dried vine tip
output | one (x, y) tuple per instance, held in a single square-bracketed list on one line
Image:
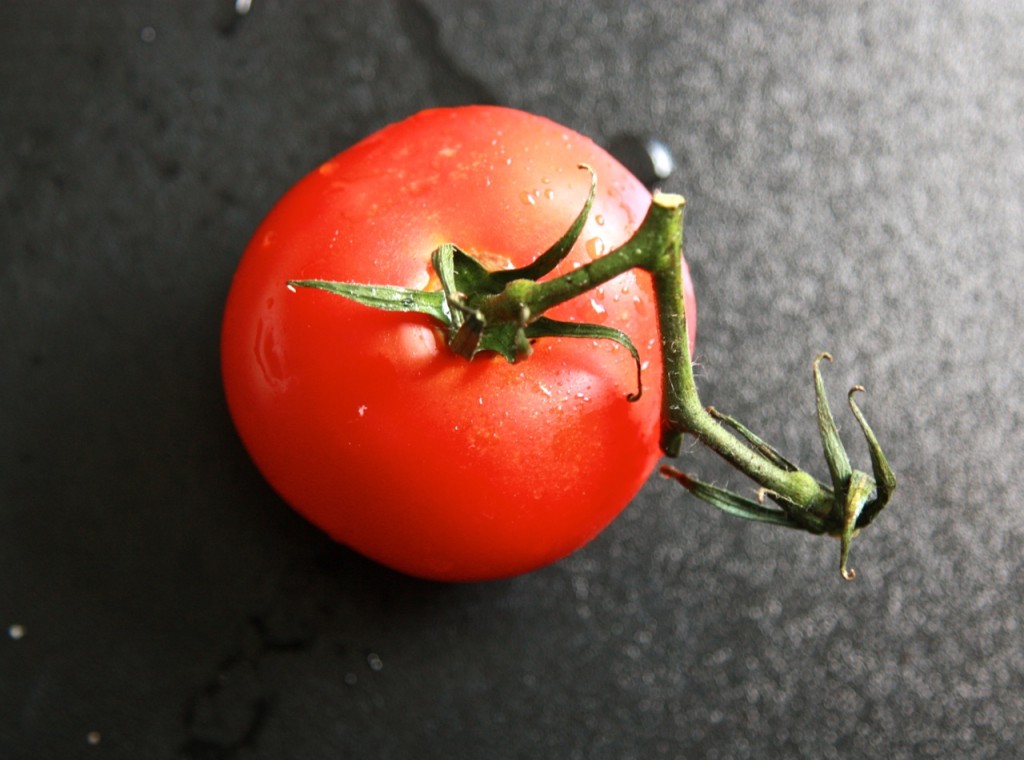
[(857, 496), (799, 501), (669, 200)]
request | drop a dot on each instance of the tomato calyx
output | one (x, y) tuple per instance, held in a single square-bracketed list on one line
[(485, 310), (502, 311)]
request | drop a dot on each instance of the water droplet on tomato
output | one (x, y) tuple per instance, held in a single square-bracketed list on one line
[(598, 307), (599, 220), (595, 247), (549, 193), (528, 198)]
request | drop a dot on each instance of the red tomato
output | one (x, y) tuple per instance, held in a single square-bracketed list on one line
[(367, 423)]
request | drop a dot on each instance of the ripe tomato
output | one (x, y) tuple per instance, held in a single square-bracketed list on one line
[(367, 423)]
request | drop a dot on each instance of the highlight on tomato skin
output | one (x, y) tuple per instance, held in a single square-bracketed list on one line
[(369, 425)]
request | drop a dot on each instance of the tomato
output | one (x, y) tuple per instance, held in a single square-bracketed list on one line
[(368, 424)]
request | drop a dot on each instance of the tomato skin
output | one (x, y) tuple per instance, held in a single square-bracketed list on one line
[(366, 423)]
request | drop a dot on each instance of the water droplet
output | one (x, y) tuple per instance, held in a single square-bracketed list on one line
[(528, 198), (595, 247), (375, 662), (545, 180), (661, 158), (599, 219), (549, 193), (362, 410), (598, 307), (648, 158)]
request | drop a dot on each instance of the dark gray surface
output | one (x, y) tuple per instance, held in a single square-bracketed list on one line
[(855, 178)]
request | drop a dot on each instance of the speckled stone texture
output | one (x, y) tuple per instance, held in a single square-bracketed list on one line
[(855, 179)]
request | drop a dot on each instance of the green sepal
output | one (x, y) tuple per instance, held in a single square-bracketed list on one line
[(835, 453), (384, 297), (885, 479), (740, 506), (462, 274), (505, 338), (544, 327), (861, 486), (554, 255)]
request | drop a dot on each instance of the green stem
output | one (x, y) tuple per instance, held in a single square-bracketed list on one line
[(682, 411), (644, 250)]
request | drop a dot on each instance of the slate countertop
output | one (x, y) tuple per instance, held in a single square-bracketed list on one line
[(855, 183)]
